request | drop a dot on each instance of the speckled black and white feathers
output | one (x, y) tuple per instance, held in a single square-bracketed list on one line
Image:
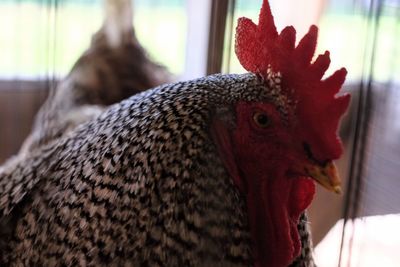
[(305, 259), (141, 185)]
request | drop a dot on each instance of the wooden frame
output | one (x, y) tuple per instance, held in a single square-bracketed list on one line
[(220, 9)]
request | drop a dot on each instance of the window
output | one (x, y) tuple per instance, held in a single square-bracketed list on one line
[(40, 38), (39, 41)]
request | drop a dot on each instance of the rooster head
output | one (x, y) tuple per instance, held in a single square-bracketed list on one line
[(279, 147)]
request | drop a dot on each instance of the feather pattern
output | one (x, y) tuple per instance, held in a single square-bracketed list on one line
[(107, 194)]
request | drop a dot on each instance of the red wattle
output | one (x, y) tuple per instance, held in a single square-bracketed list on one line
[(274, 208)]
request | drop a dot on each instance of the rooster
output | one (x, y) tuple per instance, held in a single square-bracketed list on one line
[(216, 171)]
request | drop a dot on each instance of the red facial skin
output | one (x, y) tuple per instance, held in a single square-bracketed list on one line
[(259, 160)]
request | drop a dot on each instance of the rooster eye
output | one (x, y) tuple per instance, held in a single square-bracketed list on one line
[(262, 120)]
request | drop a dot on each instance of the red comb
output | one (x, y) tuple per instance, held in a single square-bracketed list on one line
[(261, 50)]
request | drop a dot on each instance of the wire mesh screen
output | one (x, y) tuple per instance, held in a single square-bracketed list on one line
[(381, 179)]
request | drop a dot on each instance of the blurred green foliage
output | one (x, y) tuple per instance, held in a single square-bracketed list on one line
[(40, 39)]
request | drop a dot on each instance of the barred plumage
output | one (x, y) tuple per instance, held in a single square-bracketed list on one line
[(211, 172), (141, 185)]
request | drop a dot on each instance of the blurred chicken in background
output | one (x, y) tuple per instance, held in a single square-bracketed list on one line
[(113, 68)]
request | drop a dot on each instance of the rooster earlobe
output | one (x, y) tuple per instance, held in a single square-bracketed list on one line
[(222, 140)]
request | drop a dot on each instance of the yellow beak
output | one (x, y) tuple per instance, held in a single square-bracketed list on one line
[(326, 175)]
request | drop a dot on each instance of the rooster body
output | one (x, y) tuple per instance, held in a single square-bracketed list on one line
[(107, 195), (211, 172)]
